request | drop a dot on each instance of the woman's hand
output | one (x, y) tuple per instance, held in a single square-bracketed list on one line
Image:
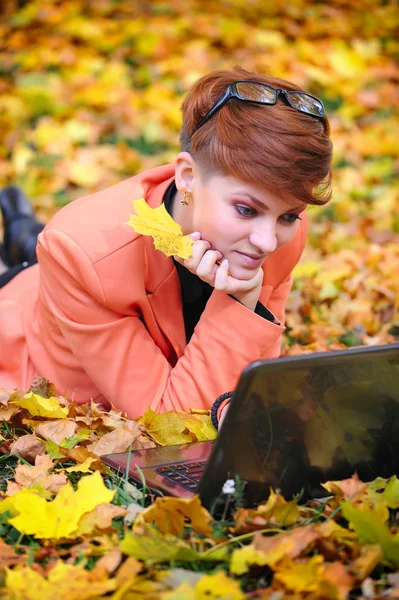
[(210, 266)]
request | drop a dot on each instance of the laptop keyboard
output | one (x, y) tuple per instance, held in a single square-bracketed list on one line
[(185, 474)]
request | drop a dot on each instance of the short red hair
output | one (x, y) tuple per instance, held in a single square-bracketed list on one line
[(273, 146)]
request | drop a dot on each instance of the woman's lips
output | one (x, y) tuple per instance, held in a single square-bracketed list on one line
[(251, 260)]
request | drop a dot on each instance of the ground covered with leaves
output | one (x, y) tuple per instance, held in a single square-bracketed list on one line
[(71, 528), (89, 95)]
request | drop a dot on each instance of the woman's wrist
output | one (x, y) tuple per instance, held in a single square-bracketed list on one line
[(248, 299)]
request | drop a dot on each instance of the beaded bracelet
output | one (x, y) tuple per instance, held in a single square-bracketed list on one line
[(215, 407)]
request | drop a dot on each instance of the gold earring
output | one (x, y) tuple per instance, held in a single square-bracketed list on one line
[(184, 200)]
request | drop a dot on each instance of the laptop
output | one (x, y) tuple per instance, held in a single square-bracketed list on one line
[(293, 423)]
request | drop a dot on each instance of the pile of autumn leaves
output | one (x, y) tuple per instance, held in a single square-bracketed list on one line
[(72, 529)]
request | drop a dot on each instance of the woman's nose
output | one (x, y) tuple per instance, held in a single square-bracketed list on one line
[(265, 239)]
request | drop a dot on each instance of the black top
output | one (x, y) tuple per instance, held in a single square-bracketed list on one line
[(195, 292)]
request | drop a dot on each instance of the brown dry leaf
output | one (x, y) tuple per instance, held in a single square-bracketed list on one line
[(118, 440), (100, 518), (81, 454), (28, 447), (43, 387), (107, 564), (56, 430), (9, 557), (291, 543), (352, 488), (38, 475), (5, 395), (7, 413), (169, 515)]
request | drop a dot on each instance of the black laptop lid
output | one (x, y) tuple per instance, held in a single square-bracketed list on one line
[(298, 421)]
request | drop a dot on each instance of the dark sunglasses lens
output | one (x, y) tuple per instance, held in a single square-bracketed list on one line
[(307, 104), (256, 93)]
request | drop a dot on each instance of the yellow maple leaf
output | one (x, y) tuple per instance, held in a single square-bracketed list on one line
[(38, 406), (166, 233), (60, 517), (171, 428), (63, 581), (218, 585)]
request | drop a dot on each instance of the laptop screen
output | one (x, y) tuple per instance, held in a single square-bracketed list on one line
[(298, 421)]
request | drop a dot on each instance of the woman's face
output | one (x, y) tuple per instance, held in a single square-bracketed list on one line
[(246, 223)]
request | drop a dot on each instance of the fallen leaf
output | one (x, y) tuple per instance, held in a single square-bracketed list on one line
[(56, 431), (107, 564), (100, 518), (9, 557), (28, 447), (181, 592), (60, 517), (118, 440), (370, 557), (303, 577), (43, 387), (166, 428), (169, 515), (63, 581), (129, 569), (148, 544), (83, 467), (38, 406), (370, 528), (384, 490), (166, 233), (218, 586), (290, 543), (352, 488), (27, 476), (242, 559), (275, 511)]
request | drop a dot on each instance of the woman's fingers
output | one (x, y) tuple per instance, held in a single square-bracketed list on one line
[(207, 266), (222, 276)]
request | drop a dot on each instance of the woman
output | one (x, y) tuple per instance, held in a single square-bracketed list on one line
[(106, 316)]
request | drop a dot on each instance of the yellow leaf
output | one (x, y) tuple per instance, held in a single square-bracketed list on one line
[(166, 233), (60, 517), (169, 515), (276, 510), (300, 577), (38, 406), (243, 558), (218, 585), (146, 543), (83, 174), (183, 592), (84, 467), (306, 269), (166, 428), (63, 581)]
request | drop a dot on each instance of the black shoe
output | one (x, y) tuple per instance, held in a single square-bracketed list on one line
[(21, 227)]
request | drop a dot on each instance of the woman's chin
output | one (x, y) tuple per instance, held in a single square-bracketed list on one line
[(244, 274)]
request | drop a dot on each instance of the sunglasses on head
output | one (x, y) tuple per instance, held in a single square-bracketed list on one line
[(260, 93)]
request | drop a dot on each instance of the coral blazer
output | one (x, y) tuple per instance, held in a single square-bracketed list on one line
[(101, 314)]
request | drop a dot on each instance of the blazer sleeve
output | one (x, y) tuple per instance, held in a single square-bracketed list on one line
[(119, 355)]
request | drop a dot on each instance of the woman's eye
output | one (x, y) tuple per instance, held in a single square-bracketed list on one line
[(245, 211), (291, 217)]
